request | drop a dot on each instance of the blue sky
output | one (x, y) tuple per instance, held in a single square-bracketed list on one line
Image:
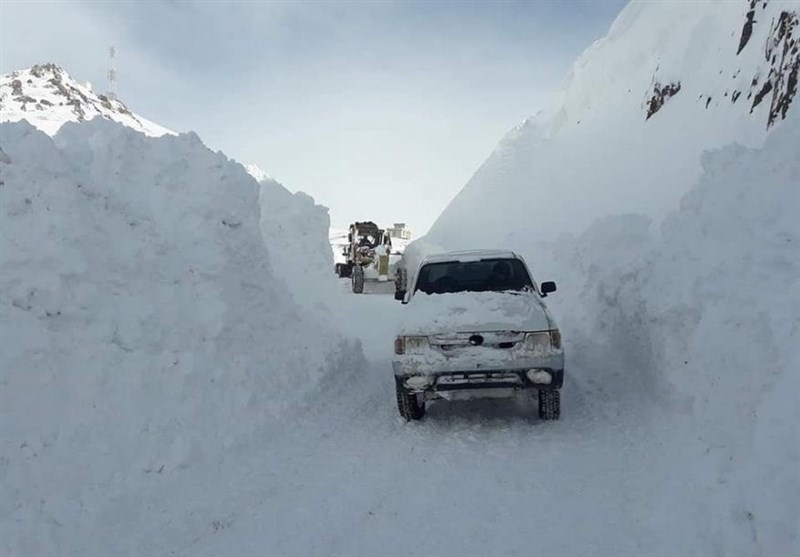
[(380, 110)]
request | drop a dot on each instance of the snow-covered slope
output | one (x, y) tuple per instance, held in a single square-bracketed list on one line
[(48, 97), (670, 80), (145, 330)]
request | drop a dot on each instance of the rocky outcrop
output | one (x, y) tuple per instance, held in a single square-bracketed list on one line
[(661, 93), (47, 96)]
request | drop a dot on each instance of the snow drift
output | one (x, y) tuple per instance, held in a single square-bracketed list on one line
[(144, 326)]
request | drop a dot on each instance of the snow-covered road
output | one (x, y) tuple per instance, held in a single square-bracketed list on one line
[(349, 477)]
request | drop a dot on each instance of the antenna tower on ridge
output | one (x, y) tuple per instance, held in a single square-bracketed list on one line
[(112, 74)]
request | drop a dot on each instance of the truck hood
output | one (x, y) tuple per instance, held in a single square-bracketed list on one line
[(428, 314)]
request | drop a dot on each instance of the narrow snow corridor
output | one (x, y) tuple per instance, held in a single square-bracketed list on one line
[(349, 477)]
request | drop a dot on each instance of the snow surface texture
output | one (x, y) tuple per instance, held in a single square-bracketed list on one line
[(595, 152), (47, 97), (145, 331)]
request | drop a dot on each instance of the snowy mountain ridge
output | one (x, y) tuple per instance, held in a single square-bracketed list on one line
[(47, 96)]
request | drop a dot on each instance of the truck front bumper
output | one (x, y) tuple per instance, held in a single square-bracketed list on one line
[(482, 384)]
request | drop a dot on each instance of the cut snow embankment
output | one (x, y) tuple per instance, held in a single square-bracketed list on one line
[(144, 330), (704, 319), (295, 230)]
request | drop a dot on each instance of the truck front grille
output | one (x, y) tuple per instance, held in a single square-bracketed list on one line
[(454, 381)]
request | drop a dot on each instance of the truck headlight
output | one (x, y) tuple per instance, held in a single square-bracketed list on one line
[(403, 344), (539, 377), (543, 341)]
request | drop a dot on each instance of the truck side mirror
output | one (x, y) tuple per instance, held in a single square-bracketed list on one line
[(547, 288)]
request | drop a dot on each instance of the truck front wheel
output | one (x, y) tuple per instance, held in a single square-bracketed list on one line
[(358, 279), (549, 405), (408, 403)]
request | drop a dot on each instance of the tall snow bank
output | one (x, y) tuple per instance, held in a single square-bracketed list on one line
[(142, 324), (295, 230), (701, 317)]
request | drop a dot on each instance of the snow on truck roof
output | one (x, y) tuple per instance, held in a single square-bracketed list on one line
[(470, 255)]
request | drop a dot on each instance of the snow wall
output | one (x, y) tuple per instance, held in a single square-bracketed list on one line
[(296, 231), (145, 326), (674, 237), (699, 319)]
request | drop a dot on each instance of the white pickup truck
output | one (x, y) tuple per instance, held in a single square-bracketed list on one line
[(475, 326)]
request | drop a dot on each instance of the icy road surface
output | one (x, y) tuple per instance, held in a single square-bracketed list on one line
[(349, 477)]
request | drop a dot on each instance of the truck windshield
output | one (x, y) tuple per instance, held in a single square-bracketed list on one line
[(486, 275)]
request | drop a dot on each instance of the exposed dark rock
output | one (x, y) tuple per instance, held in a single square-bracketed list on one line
[(767, 87), (747, 28), (708, 101), (61, 86), (782, 53), (661, 93)]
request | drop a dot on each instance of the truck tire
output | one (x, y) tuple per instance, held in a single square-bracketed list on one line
[(400, 280), (358, 280), (549, 404), (345, 270), (338, 270), (408, 403)]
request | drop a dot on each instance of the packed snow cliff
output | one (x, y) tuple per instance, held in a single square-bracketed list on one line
[(700, 317), (144, 324)]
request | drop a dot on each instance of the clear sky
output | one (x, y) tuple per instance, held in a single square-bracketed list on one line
[(380, 110)]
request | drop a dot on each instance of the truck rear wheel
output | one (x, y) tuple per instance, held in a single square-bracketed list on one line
[(358, 279), (408, 403), (549, 405)]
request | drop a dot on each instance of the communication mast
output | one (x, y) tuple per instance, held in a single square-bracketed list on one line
[(112, 74)]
